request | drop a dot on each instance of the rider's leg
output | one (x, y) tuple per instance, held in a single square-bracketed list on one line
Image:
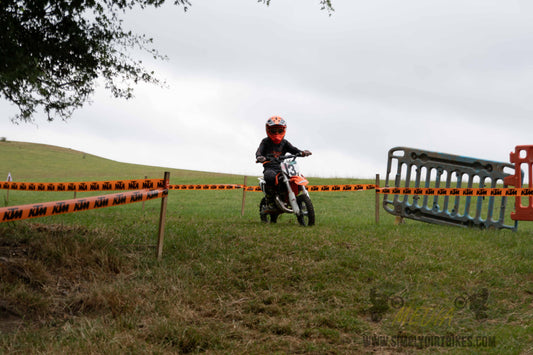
[(270, 179)]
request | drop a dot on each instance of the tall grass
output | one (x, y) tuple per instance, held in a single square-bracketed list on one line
[(89, 282)]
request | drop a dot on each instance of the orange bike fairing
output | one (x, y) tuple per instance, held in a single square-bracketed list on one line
[(299, 180)]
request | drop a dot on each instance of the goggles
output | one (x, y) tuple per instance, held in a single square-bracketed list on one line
[(276, 130)]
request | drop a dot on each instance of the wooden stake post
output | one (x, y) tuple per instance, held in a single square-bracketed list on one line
[(162, 217), (377, 199), (9, 179), (243, 196)]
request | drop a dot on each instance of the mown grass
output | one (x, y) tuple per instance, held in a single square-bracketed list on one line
[(89, 282)]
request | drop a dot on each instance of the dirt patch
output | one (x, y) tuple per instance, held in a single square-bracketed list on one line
[(9, 323), (55, 271)]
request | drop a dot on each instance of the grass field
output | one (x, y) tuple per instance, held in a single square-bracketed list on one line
[(90, 283)]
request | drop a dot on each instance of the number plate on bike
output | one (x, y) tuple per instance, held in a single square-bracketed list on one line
[(290, 168)]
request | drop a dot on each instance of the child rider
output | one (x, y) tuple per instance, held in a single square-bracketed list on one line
[(274, 145)]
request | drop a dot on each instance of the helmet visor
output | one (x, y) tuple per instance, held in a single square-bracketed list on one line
[(276, 130)]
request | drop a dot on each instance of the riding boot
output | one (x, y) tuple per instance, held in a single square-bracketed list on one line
[(270, 195)]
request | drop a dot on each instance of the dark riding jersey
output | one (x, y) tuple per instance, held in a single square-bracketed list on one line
[(268, 148)]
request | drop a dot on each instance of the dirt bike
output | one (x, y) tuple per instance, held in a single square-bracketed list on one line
[(290, 194)]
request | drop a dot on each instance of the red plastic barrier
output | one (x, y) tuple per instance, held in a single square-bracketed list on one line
[(523, 154)]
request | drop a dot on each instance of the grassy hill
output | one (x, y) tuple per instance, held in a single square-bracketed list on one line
[(89, 283), (40, 162)]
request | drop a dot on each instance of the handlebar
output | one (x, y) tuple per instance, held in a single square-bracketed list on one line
[(281, 158), (284, 157)]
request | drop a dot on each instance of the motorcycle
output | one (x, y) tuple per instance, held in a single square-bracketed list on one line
[(290, 194)]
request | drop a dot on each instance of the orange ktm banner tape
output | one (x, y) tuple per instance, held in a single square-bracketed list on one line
[(251, 188), (85, 186), (477, 192), (324, 188), (206, 187), (382, 190), (357, 187), (417, 191), (8, 214), (257, 188)]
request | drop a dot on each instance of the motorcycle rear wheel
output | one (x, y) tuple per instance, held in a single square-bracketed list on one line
[(307, 211), (266, 217)]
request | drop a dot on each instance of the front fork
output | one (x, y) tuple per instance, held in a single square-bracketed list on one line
[(292, 198)]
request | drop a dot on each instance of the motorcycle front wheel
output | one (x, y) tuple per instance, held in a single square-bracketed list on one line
[(266, 217), (307, 211)]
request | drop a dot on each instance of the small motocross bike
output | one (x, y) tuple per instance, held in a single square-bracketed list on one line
[(290, 195)]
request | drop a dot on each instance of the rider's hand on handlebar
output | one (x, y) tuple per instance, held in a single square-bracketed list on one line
[(260, 159), (306, 153)]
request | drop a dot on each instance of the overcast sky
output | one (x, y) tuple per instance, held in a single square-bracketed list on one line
[(454, 76)]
